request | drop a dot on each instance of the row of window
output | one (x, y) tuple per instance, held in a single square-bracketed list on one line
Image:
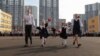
[(92, 26), (7, 22), (5, 16), (49, 3), (92, 7), (12, 2), (92, 14), (92, 31), (5, 26)]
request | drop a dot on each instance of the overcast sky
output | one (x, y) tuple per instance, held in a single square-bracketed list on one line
[(67, 7)]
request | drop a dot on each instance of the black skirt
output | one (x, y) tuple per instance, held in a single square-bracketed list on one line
[(63, 35), (43, 33), (76, 32), (76, 28)]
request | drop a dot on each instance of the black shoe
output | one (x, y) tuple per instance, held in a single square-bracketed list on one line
[(65, 46), (74, 43), (79, 45), (42, 45), (25, 45)]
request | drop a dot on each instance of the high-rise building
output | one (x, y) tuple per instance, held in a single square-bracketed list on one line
[(49, 9), (34, 12), (5, 22), (15, 8), (92, 12)]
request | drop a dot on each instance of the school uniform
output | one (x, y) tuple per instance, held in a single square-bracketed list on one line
[(77, 24), (43, 34), (63, 33)]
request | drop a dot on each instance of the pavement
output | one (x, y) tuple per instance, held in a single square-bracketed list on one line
[(14, 46)]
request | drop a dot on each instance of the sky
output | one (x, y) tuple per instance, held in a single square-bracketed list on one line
[(32, 2), (67, 7)]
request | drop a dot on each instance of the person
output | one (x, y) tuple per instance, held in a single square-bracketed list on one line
[(43, 33), (77, 24), (63, 35), (29, 23)]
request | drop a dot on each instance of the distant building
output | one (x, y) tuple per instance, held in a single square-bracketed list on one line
[(49, 9), (16, 9), (5, 22), (92, 12), (34, 12), (69, 27)]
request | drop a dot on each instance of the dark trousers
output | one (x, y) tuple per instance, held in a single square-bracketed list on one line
[(28, 33)]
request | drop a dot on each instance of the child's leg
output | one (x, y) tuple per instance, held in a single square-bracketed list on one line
[(77, 41), (74, 40), (62, 41), (65, 42), (42, 41)]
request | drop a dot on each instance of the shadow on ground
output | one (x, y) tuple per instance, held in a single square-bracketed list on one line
[(10, 48), (35, 50)]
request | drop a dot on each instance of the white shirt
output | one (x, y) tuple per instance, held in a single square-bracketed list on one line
[(29, 20)]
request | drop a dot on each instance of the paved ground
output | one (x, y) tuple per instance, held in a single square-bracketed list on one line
[(13, 46)]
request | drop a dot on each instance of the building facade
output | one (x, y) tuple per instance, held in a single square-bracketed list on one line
[(93, 26), (15, 8), (5, 22), (92, 12), (49, 9)]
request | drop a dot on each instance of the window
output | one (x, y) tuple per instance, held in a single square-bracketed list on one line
[(11, 2), (49, 3), (92, 21), (55, 3), (93, 26), (4, 2), (43, 2), (17, 2)]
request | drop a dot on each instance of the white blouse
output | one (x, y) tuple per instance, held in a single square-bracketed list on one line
[(29, 20)]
